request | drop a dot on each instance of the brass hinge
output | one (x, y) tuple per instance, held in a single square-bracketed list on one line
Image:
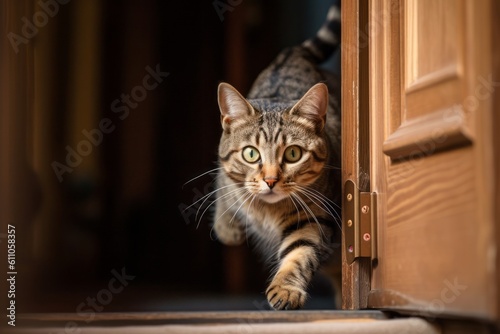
[(360, 223)]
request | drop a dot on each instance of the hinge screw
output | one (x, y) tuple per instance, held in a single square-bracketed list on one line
[(349, 197), (349, 223), (365, 209), (366, 237)]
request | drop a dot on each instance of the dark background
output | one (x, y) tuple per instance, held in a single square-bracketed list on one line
[(121, 207)]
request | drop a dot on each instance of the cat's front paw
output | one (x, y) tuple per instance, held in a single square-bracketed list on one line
[(229, 234), (283, 296)]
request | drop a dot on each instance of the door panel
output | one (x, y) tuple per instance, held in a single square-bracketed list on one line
[(432, 114), (431, 31), (431, 141)]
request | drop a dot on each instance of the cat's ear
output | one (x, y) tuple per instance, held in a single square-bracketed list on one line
[(232, 104), (313, 105)]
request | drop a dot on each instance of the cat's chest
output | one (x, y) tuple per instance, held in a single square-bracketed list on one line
[(264, 222)]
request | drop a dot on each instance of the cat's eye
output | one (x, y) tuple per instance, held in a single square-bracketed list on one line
[(251, 154), (293, 153)]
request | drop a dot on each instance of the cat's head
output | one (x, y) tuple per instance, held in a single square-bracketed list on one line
[(272, 149)]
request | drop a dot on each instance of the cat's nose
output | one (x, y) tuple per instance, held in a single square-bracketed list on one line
[(271, 181)]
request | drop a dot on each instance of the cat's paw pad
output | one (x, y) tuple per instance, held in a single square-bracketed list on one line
[(285, 297), (231, 235)]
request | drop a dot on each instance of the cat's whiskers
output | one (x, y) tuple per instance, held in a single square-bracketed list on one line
[(325, 198), (202, 174), (248, 196), (324, 202), (329, 200), (307, 209), (205, 197), (246, 220), (294, 198), (296, 208), (231, 193), (331, 167), (245, 193)]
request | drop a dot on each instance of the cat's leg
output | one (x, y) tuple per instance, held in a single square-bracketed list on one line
[(299, 257), (227, 227)]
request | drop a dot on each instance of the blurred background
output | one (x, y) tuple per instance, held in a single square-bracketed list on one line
[(108, 109)]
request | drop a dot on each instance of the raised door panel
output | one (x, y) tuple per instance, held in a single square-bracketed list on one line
[(433, 113)]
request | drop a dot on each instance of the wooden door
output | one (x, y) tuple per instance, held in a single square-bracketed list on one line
[(420, 107)]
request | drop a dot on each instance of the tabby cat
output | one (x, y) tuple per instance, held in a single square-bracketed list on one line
[(279, 154)]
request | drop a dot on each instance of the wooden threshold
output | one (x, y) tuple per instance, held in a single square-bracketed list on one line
[(309, 322)]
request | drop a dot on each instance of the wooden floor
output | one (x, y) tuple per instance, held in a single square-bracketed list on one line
[(309, 322)]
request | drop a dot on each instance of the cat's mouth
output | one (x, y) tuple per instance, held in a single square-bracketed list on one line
[(271, 196)]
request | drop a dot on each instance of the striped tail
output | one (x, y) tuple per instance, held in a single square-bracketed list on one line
[(327, 39)]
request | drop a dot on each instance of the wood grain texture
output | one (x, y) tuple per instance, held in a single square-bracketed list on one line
[(384, 60), (494, 14), (480, 71), (350, 297)]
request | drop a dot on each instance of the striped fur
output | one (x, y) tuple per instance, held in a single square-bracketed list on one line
[(279, 153)]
